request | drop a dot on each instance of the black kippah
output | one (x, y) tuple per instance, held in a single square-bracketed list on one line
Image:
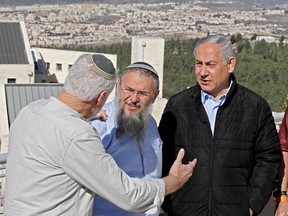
[(102, 66)]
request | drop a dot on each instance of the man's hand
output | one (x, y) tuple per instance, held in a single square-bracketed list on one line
[(282, 209), (179, 173), (102, 115)]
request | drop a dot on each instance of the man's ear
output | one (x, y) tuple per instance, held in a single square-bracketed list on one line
[(231, 64), (101, 99), (155, 96)]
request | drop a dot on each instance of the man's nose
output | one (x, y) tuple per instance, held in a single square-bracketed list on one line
[(203, 71), (135, 96)]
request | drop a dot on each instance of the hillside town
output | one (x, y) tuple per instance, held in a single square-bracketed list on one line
[(82, 24)]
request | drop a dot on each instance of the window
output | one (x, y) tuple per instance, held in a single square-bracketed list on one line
[(58, 67), (69, 66), (47, 65), (11, 80)]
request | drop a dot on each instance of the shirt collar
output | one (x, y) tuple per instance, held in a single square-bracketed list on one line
[(205, 96)]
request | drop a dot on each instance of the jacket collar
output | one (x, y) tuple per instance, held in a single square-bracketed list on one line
[(232, 91), (196, 94)]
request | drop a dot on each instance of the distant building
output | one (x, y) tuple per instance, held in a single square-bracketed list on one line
[(16, 66), (57, 62), (268, 39)]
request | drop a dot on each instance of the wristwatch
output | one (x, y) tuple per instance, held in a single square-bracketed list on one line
[(280, 196)]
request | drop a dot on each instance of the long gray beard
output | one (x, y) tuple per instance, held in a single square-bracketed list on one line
[(135, 126)]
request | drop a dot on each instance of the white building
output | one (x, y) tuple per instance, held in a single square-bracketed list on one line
[(268, 39)]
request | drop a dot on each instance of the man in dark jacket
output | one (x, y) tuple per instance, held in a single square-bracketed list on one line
[(231, 132)]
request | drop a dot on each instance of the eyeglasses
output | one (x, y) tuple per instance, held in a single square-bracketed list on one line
[(141, 94)]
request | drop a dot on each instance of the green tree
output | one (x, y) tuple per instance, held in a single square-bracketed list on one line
[(253, 37), (243, 45), (263, 48), (233, 39), (282, 38)]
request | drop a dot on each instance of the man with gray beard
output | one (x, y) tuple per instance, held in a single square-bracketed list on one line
[(130, 132), (134, 125)]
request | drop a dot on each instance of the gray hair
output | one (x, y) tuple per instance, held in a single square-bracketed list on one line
[(144, 71), (84, 83), (225, 45)]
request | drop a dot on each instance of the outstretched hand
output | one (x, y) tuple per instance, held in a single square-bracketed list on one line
[(102, 115), (179, 173)]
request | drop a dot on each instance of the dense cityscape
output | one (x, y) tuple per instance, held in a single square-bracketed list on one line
[(81, 24)]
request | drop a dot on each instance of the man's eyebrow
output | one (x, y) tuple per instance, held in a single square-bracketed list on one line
[(207, 62)]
